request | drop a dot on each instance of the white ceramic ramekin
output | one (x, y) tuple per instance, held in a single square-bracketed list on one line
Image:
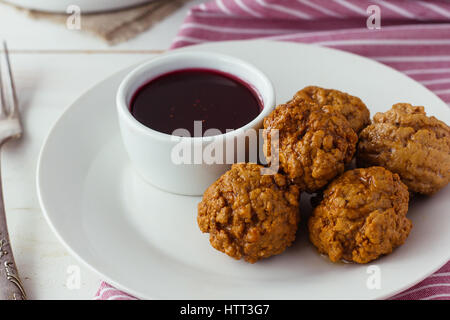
[(150, 151)]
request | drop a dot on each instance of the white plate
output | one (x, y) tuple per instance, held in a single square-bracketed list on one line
[(147, 242), (86, 6)]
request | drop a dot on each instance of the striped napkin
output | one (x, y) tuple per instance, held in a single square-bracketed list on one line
[(414, 38)]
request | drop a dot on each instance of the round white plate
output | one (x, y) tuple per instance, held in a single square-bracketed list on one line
[(147, 242), (86, 6)]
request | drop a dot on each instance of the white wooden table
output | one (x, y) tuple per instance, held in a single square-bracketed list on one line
[(52, 67)]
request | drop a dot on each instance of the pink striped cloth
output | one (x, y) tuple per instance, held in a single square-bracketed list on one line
[(414, 38)]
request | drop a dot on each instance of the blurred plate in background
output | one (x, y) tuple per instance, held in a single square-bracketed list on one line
[(86, 6)]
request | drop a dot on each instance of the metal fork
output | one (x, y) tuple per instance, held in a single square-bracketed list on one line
[(11, 287)]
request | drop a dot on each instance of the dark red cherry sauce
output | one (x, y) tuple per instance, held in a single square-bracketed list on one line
[(175, 100)]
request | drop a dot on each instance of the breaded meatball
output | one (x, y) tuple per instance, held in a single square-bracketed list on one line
[(314, 143), (362, 216), (249, 215), (407, 142), (353, 109)]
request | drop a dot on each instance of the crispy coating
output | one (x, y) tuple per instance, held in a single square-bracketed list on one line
[(314, 143), (407, 142), (353, 109), (249, 215), (362, 216)]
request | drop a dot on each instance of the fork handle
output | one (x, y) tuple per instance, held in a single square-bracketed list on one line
[(11, 287)]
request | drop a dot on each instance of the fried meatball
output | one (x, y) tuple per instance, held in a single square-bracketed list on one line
[(352, 108), (407, 142), (249, 215), (362, 216), (314, 143)]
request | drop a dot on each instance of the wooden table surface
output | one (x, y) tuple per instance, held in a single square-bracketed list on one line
[(52, 67)]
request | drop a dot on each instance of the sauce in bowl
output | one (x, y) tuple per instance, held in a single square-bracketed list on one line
[(176, 99)]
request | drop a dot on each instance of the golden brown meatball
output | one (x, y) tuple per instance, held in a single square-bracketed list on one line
[(353, 109), (406, 141), (249, 215), (314, 143), (362, 216)]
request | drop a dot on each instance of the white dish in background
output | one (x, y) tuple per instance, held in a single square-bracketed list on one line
[(146, 241), (86, 6)]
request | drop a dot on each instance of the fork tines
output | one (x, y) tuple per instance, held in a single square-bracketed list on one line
[(8, 97)]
